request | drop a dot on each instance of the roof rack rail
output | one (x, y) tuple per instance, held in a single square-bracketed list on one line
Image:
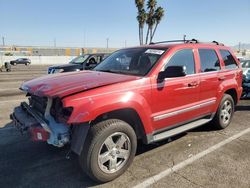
[(217, 43), (195, 41), (175, 41)]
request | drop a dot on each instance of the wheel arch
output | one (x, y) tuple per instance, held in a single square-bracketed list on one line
[(128, 115), (232, 92)]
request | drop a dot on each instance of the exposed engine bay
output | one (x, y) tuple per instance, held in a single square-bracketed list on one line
[(45, 119)]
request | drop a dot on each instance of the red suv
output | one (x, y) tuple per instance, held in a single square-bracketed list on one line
[(149, 92)]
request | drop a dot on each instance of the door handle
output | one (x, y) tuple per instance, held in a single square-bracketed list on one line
[(193, 84), (221, 78)]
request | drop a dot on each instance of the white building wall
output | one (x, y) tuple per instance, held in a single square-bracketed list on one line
[(41, 60)]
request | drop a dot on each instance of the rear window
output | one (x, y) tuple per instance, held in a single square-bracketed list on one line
[(209, 60), (228, 59)]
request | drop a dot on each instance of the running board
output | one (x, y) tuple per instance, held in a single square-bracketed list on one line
[(180, 129)]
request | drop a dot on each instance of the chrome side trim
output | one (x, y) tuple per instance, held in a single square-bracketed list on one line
[(195, 107), (180, 129)]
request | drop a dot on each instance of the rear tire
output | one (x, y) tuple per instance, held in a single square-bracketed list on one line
[(224, 113), (109, 150)]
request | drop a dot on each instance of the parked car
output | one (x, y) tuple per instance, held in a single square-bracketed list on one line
[(147, 93), (245, 64), (20, 61), (83, 62)]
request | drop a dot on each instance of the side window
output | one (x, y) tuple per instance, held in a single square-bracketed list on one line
[(92, 60), (98, 59), (209, 60), (228, 59), (183, 58)]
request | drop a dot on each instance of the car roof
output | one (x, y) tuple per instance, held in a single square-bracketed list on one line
[(185, 44)]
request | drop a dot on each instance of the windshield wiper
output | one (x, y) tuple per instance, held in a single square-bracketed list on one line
[(119, 72), (110, 70)]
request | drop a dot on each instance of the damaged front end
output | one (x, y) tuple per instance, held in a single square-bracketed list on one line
[(45, 119)]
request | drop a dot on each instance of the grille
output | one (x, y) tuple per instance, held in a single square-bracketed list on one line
[(38, 103)]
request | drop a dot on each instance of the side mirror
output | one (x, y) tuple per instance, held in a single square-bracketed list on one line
[(171, 72)]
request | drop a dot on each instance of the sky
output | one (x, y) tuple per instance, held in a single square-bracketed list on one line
[(88, 23)]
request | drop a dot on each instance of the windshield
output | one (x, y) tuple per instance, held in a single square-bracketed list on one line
[(79, 59), (136, 61), (245, 64)]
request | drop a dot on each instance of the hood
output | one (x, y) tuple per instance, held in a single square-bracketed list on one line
[(60, 85), (66, 66)]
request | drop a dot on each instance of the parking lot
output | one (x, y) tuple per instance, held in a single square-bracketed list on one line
[(202, 157)]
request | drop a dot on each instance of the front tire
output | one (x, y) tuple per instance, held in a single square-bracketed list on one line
[(109, 150), (224, 113)]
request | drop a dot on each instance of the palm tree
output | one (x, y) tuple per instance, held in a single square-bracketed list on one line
[(151, 4), (159, 14), (152, 17), (141, 18)]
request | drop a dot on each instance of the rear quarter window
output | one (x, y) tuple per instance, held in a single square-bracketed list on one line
[(228, 59)]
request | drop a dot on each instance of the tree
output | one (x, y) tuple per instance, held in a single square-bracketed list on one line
[(159, 14), (153, 17), (151, 4), (141, 18)]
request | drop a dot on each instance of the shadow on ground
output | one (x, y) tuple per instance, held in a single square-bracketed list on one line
[(242, 108), (28, 164)]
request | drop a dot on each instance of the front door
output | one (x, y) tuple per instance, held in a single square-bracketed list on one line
[(176, 99)]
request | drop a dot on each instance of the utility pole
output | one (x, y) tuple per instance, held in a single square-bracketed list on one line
[(107, 43), (3, 41), (125, 43), (84, 39), (239, 46), (54, 42), (55, 51)]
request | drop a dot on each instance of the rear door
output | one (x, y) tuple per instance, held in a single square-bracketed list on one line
[(209, 79)]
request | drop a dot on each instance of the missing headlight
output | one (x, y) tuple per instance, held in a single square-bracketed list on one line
[(60, 113)]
